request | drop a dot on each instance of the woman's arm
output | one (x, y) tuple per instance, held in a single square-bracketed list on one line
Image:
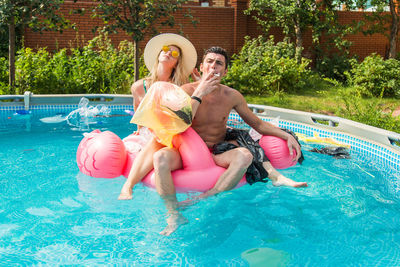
[(138, 93)]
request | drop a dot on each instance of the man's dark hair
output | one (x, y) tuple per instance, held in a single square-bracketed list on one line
[(217, 50)]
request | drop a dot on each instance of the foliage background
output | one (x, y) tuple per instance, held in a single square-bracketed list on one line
[(263, 67), (264, 71), (98, 67)]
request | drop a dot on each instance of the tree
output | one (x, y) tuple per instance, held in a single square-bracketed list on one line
[(382, 22), (295, 17), (39, 15), (394, 29), (137, 18)]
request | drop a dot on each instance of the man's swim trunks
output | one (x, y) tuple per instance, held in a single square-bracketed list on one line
[(255, 172)]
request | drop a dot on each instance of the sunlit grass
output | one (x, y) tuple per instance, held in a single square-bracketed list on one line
[(325, 101), (330, 100)]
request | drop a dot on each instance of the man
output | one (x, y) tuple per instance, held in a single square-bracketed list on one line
[(212, 102)]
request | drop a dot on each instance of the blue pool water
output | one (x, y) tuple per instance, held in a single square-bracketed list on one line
[(52, 214)]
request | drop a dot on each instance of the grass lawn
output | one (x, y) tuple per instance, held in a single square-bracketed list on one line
[(327, 101), (331, 101)]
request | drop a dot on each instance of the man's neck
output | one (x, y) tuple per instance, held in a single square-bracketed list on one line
[(218, 90)]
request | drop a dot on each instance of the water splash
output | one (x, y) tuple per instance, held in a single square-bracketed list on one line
[(85, 115), (82, 117)]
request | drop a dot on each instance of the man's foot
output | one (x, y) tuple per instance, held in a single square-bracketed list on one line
[(126, 193), (174, 221), (284, 181)]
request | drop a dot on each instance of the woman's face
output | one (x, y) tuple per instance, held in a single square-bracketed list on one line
[(171, 56)]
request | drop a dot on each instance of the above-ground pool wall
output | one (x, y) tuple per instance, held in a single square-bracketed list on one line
[(377, 143), (62, 103)]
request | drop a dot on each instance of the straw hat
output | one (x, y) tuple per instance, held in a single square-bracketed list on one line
[(154, 46)]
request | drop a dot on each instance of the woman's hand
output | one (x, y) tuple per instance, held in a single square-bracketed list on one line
[(196, 76)]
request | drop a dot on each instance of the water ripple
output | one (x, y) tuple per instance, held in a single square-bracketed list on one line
[(43, 211), (58, 254)]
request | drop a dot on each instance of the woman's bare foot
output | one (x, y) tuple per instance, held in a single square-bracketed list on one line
[(126, 192), (284, 181), (174, 221)]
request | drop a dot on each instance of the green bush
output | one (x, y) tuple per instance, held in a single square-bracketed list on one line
[(95, 68), (334, 66), (263, 67), (32, 71), (367, 112), (375, 76), (3, 76)]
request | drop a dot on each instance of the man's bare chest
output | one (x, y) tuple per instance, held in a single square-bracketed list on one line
[(215, 111)]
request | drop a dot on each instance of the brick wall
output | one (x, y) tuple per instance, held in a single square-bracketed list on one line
[(362, 45), (222, 24), (365, 45), (215, 27), (55, 40)]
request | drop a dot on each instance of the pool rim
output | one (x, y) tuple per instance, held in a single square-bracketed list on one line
[(366, 138), (29, 101)]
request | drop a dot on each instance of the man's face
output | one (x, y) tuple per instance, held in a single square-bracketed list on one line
[(213, 63)]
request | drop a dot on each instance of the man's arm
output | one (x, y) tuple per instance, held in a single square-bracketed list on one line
[(189, 89), (201, 88), (263, 127)]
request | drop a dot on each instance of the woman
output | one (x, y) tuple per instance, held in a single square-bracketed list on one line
[(170, 58)]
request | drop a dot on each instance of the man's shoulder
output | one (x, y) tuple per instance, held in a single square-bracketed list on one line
[(189, 87), (231, 91), (235, 97), (191, 84)]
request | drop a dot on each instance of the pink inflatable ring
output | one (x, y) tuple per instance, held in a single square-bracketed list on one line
[(105, 155)]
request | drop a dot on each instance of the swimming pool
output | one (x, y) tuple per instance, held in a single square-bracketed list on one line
[(52, 214)]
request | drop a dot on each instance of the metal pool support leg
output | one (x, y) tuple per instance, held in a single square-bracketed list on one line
[(27, 99)]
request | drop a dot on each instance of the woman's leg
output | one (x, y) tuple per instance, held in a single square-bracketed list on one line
[(167, 160), (141, 166)]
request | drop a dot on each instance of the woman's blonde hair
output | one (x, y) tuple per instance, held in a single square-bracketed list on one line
[(177, 74)]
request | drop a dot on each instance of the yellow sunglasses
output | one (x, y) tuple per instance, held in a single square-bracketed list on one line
[(174, 53)]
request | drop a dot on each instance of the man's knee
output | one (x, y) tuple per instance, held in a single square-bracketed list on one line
[(243, 157)]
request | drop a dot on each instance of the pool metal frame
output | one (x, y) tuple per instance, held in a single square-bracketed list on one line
[(362, 137)]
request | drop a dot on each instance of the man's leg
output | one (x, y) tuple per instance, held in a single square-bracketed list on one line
[(278, 179), (141, 166), (167, 160), (236, 162)]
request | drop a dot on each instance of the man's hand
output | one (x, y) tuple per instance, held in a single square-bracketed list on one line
[(293, 144), (207, 84)]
